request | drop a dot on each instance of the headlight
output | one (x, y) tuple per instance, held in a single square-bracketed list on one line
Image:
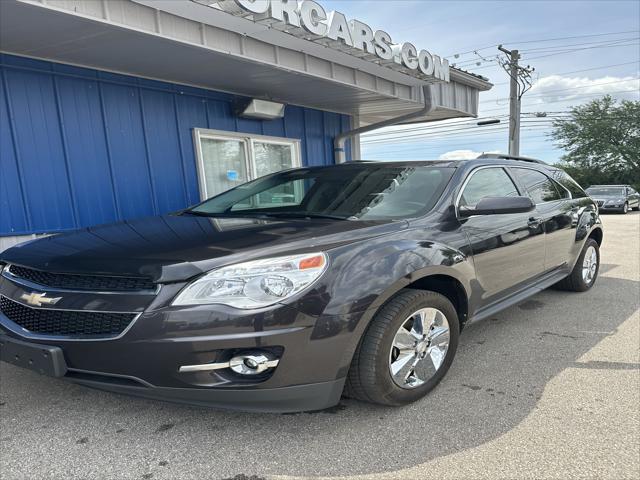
[(255, 284)]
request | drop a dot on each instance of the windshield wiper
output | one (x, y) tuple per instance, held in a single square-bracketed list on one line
[(300, 215), (250, 214), (197, 214)]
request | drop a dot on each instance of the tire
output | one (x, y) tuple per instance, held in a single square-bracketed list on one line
[(370, 378), (576, 282), (636, 209), (625, 209)]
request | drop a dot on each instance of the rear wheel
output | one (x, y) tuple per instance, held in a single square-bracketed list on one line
[(406, 350), (586, 270)]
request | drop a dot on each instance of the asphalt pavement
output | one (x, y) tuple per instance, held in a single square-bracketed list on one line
[(547, 389)]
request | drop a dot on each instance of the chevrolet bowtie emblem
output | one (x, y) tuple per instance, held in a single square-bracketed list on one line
[(39, 299)]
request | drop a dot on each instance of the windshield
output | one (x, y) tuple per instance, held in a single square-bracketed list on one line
[(348, 192), (607, 191)]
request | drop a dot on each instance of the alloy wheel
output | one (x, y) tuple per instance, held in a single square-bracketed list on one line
[(419, 348), (589, 265)]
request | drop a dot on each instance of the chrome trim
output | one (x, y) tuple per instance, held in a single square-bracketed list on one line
[(230, 364), (9, 275), (6, 322), (65, 309)]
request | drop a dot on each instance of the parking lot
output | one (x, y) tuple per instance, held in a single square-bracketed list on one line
[(547, 389)]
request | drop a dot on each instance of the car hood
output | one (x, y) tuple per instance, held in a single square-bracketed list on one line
[(172, 248)]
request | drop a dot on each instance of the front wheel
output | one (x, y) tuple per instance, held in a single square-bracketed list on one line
[(586, 270), (625, 209), (406, 350)]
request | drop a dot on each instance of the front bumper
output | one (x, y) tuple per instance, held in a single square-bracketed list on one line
[(314, 354), (49, 360), (308, 377)]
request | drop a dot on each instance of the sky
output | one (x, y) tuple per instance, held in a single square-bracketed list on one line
[(602, 56)]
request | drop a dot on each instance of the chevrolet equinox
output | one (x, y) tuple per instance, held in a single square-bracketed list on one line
[(291, 290)]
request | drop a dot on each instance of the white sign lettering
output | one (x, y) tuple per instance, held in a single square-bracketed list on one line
[(314, 19)]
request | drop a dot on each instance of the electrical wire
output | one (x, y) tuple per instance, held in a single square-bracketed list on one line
[(580, 71), (544, 94), (554, 49), (519, 42)]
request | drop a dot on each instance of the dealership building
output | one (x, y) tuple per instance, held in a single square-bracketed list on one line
[(117, 109)]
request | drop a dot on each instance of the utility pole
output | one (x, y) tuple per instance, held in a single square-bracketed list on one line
[(520, 83)]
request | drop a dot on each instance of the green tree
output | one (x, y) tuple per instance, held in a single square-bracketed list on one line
[(602, 141)]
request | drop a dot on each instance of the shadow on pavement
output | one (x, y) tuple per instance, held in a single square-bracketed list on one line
[(500, 372)]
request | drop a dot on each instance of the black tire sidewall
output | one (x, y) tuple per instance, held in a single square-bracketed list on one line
[(393, 394)]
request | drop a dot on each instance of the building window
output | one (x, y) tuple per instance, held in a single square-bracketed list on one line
[(227, 159)]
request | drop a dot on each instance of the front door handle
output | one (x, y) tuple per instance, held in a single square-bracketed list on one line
[(534, 222)]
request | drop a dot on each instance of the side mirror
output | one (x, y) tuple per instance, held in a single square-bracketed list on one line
[(499, 205)]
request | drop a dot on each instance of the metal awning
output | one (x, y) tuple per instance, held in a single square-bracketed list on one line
[(189, 43)]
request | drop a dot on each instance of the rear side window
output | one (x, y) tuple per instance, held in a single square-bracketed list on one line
[(569, 183), (487, 182), (540, 187)]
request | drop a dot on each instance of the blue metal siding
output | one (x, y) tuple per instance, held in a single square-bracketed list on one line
[(80, 147)]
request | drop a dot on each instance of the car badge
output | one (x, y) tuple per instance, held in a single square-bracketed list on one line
[(39, 299)]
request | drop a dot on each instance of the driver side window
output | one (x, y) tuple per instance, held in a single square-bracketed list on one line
[(487, 182)]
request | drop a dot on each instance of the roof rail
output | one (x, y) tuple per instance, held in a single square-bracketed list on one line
[(502, 156)]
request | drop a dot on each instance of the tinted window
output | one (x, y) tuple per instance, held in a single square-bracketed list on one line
[(487, 182), (569, 183), (353, 192), (606, 191), (540, 187)]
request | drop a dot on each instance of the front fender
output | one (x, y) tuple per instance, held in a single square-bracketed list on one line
[(366, 279)]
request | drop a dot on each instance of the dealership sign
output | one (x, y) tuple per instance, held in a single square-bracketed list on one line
[(321, 26)]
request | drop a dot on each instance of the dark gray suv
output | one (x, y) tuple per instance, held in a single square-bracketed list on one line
[(285, 292)]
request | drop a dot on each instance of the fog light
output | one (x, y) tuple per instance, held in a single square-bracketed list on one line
[(251, 363)]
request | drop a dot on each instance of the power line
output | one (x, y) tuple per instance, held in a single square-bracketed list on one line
[(426, 151), (551, 49), (573, 97), (431, 126), (564, 47), (583, 70), (564, 52), (570, 88), (460, 133), (520, 42), (463, 128), (585, 48)]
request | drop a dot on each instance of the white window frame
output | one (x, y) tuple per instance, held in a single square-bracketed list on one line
[(249, 140)]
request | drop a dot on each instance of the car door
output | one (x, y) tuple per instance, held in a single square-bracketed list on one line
[(508, 249), (555, 208), (633, 198)]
